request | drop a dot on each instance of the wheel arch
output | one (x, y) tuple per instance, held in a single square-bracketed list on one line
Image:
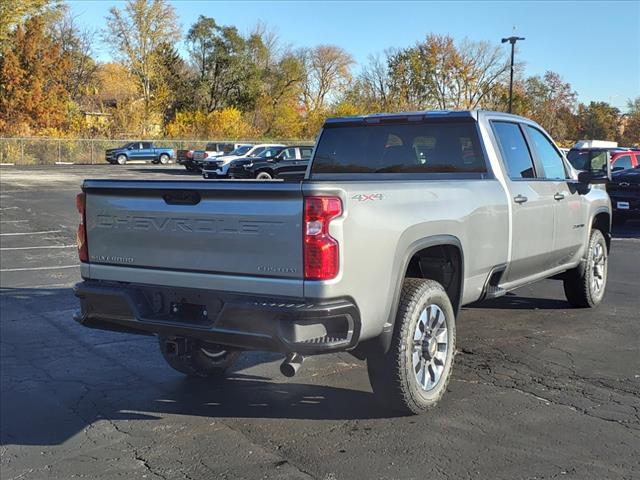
[(437, 246), (601, 220)]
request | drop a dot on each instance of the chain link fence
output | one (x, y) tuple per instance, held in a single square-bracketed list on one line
[(60, 151)]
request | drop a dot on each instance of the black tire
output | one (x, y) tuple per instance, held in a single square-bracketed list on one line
[(392, 375), (264, 176), (198, 359), (121, 159), (581, 283), (164, 159)]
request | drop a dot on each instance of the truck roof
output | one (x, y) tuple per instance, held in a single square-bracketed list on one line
[(418, 116)]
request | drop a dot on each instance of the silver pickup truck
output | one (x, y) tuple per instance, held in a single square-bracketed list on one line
[(401, 220)]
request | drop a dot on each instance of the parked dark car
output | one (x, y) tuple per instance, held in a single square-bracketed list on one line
[(139, 151), (624, 190), (281, 162), (620, 158), (193, 159)]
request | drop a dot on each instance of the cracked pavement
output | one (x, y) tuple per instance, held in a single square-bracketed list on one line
[(539, 390)]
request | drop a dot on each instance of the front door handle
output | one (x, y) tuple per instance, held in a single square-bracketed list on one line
[(520, 199), (558, 196)]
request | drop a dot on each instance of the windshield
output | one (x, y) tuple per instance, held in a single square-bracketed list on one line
[(256, 152), (240, 151), (430, 147), (269, 152), (580, 159)]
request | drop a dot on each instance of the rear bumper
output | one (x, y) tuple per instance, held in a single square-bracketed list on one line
[(239, 321)]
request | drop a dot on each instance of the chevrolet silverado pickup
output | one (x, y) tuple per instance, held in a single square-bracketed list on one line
[(139, 151), (400, 220)]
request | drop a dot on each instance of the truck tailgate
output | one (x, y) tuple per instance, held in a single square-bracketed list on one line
[(223, 228)]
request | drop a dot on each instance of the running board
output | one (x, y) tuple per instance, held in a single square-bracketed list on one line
[(494, 292)]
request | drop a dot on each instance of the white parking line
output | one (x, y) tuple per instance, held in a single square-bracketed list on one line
[(37, 248), (13, 221), (9, 208), (37, 268), (32, 233)]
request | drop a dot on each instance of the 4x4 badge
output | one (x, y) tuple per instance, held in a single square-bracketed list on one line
[(365, 197)]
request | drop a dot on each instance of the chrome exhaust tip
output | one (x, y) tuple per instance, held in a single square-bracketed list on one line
[(291, 364)]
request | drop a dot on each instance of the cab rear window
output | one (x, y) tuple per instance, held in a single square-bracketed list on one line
[(432, 147)]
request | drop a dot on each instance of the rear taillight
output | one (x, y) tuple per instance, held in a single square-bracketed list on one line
[(81, 237), (321, 250)]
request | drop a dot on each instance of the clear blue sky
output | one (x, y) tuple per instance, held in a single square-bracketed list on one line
[(595, 45)]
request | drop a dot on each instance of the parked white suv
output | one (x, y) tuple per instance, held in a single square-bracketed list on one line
[(219, 166)]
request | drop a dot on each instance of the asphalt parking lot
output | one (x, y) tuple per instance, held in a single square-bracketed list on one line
[(539, 390)]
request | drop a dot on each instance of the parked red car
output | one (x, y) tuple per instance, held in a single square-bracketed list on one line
[(625, 160)]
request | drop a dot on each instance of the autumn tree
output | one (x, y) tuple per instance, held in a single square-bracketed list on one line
[(33, 73), (630, 134), (135, 36), (77, 43), (17, 12), (371, 89), (327, 70), (439, 74), (551, 102)]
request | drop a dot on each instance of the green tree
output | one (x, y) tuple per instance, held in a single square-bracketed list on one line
[(597, 121), (135, 35), (226, 75)]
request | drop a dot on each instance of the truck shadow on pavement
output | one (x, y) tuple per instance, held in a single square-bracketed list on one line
[(59, 379)]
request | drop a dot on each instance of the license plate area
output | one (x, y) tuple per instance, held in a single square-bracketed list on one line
[(189, 312)]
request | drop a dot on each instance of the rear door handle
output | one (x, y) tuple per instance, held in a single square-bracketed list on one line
[(558, 196), (520, 199)]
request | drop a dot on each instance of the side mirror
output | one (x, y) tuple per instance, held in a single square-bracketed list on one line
[(599, 170)]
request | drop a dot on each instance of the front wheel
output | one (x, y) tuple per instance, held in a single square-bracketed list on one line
[(413, 375), (584, 285), (264, 176), (197, 359), (164, 159), (121, 159)]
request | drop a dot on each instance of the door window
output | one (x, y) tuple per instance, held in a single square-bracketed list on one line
[(514, 150), (550, 158), (623, 162), (145, 145), (289, 154), (306, 152)]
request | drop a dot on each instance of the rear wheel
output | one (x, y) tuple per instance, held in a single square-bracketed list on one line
[(264, 176), (121, 159), (164, 159), (584, 286), (197, 359), (413, 375)]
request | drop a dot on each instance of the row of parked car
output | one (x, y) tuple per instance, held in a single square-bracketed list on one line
[(263, 161), (267, 161), (624, 187)]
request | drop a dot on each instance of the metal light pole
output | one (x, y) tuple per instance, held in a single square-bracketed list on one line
[(512, 41)]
